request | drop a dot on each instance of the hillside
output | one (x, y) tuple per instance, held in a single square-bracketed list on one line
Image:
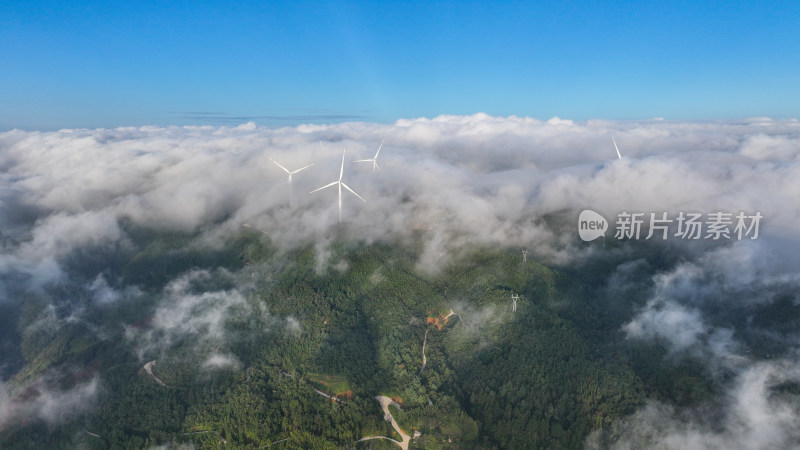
[(255, 345)]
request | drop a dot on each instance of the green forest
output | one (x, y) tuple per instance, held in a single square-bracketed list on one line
[(288, 349)]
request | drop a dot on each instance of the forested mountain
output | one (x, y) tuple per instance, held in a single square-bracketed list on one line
[(243, 344)]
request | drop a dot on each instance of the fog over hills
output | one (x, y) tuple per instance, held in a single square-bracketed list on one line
[(75, 203)]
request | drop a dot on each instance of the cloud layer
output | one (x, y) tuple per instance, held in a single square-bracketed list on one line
[(482, 178)]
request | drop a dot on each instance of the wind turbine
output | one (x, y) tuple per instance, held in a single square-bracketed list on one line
[(514, 298), (341, 183), (292, 172), (373, 160), (615, 146)]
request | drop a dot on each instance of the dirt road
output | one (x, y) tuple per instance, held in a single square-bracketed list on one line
[(149, 369), (387, 415)]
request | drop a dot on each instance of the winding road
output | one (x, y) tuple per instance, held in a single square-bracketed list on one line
[(332, 397), (424, 359), (387, 415), (149, 369), (425, 341)]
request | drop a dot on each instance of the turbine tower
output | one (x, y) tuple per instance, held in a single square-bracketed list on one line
[(341, 184), (292, 172), (524, 255), (514, 298), (615, 146), (373, 160)]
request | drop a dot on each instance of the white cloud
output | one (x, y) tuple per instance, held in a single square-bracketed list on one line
[(463, 178), (678, 326), (770, 148), (751, 416), (42, 402), (293, 325), (184, 313), (54, 236), (222, 361), (105, 294)]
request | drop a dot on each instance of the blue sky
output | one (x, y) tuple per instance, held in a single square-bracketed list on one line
[(116, 63)]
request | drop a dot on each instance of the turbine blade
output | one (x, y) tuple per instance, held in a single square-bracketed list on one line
[(362, 160), (323, 187), (379, 150), (615, 146), (341, 171), (354, 192), (284, 168), (302, 168)]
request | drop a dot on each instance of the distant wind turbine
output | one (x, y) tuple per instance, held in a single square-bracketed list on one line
[(514, 299), (341, 184), (615, 146), (290, 172), (373, 160)]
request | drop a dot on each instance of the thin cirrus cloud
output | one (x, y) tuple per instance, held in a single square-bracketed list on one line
[(296, 115)]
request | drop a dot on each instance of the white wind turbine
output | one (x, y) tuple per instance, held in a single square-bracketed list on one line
[(340, 183), (514, 299), (373, 160), (615, 146), (290, 172)]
